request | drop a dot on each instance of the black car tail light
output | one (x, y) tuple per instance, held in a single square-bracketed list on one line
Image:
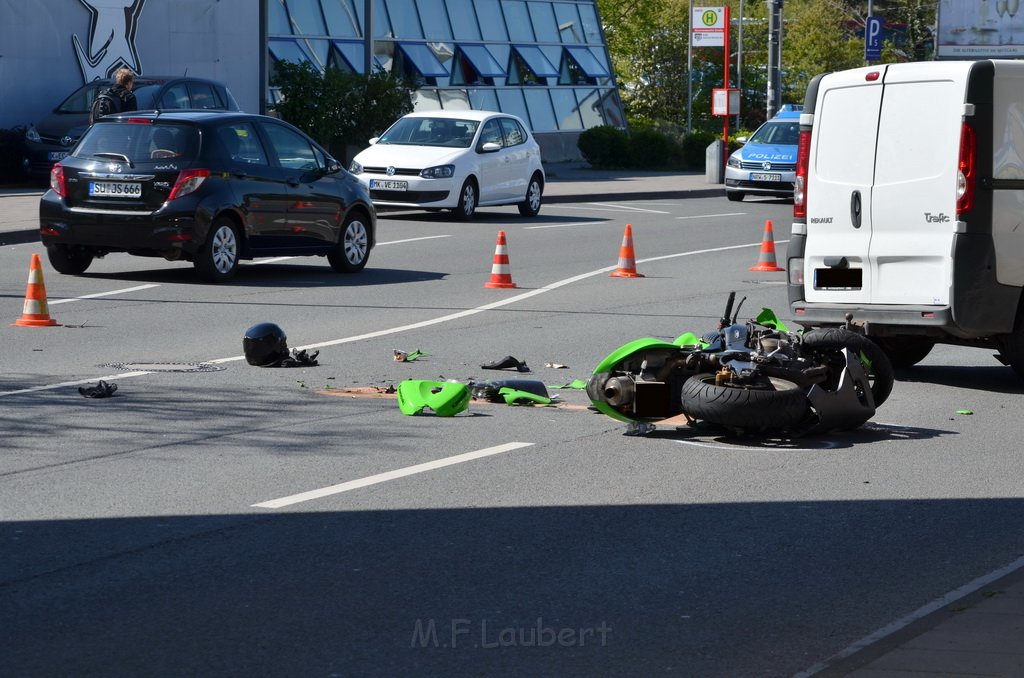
[(57, 182), (188, 181)]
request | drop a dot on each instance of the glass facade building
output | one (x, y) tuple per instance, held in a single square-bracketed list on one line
[(545, 61)]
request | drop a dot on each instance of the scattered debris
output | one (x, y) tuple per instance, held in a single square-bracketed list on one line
[(404, 357), (556, 366), (968, 412), (513, 396), (491, 391), (299, 358), (100, 390), (445, 398), (579, 384), (505, 363)]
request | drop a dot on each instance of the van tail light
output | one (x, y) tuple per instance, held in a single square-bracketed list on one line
[(966, 175), (188, 181), (57, 182), (803, 156)]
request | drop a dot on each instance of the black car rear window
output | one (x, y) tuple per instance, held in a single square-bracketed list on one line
[(139, 142)]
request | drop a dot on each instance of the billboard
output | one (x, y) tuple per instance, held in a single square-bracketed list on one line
[(979, 29)]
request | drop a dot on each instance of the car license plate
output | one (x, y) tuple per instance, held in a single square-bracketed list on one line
[(115, 189), (54, 156), (385, 185), (756, 176)]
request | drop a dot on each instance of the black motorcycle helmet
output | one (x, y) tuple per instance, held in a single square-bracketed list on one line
[(265, 344)]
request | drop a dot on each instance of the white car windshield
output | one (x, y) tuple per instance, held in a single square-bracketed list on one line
[(431, 132)]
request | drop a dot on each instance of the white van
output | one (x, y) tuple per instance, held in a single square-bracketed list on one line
[(909, 206)]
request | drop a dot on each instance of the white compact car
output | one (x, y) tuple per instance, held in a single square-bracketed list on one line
[(457, 160)]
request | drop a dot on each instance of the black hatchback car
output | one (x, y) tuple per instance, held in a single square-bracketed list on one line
[(206, 187), (52, 138)]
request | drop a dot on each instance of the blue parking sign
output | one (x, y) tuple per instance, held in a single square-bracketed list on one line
[(873, 38)]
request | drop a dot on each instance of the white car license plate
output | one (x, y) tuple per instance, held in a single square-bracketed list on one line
[(385, 185), (54, 156), (115, 189), (756, 176)]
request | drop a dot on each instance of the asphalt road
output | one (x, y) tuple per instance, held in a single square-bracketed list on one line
[(166, 530)]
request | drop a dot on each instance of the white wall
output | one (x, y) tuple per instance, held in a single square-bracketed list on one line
[(39, 63)]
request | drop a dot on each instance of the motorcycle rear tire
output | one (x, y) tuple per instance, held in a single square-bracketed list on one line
[(878, 366), (749, 409)]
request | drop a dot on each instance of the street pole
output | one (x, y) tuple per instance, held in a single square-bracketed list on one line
[(739, 62), (689, 67), (725, 79), (774, 98)]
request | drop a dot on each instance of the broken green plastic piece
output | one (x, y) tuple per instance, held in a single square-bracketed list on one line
[(964, 412), (445, 398), (768, 317), (575, 383), (516, 397)]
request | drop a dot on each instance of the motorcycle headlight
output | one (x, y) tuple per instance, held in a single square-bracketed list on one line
[(33, 135), (355, 168), (733, 161), (439, 172)]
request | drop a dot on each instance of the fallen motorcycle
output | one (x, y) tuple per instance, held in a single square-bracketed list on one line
[(752, 377)]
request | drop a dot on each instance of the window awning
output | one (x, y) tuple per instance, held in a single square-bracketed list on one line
[(587, 61), (483, 61), (284, 49), (535, 59), (423, 58)]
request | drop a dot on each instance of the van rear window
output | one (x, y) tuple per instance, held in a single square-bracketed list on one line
[(140, 143)]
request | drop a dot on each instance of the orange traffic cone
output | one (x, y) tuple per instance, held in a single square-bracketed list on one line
[(627, 258), (501, 274), (766, 260), (35, 313)]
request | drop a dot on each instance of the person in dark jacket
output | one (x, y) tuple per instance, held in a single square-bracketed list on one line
[(118, 98)]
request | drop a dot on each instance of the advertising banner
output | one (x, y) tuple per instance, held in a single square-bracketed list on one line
[(979, 29)]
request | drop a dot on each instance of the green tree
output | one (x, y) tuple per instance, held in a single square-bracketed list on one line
[(338, 108)]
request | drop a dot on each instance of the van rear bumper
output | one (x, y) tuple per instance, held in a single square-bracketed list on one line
[(882, 319)]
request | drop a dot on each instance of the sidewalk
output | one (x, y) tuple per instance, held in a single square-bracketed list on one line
[(977, 630)]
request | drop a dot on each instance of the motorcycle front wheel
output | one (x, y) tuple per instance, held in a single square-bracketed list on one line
[(872, 357), (780, 407)]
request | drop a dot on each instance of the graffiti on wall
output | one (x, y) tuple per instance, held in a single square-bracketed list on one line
[(111, 41)]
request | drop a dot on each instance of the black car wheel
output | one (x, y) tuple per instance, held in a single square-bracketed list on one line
[(467, 201), (69, 260), (353, 247), (531, 206), (217, 260), (734, 196)]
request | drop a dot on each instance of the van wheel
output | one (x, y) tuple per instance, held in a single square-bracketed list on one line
[(905, 351), (68, 259), (874, 360), (734, 196), (217, 259)]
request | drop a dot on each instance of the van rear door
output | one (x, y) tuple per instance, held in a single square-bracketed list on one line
[(842, 162), (913, 208)]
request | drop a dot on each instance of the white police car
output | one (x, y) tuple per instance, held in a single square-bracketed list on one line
[(766, 162)]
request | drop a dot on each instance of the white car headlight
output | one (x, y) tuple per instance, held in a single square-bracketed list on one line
[(439, 172), (355, 168), (33, 135), (733, 161)]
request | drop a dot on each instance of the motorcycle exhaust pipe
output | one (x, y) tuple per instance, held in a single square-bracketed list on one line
[(618, 391)]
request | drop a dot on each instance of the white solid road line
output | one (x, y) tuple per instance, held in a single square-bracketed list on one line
[(390, 475), (103, 294), (433, 321), (275, 260), (709, 216)]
